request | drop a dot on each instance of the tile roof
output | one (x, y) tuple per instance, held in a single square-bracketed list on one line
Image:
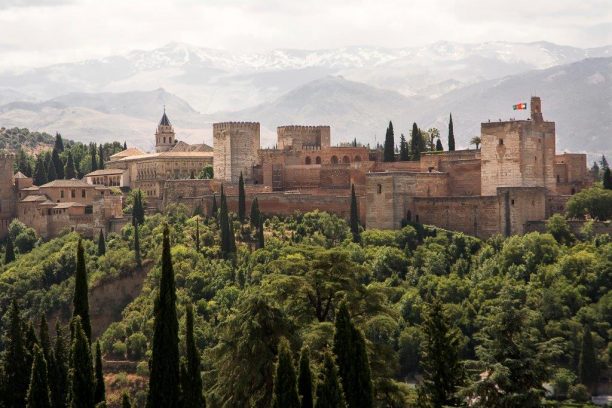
[(105, 172), (132, 151), (67, 183), (20, 175), (34, 198)]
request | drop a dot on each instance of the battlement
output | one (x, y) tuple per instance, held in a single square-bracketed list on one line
[(303, 127), (235, 125)]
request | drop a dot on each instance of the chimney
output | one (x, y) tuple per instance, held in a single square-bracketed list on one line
[(536, 109)]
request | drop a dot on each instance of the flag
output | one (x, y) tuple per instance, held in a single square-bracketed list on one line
[(520, 106)]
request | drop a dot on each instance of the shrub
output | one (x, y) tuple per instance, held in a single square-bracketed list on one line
[(579, 393)]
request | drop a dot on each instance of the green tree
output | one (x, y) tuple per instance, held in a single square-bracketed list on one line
[(80, 300), (124, 145), (100, 157), (100, 390), (305, 380), (225, 228), (354, 221), (285, 393), (164, 366), (197, 234), (475, 141), (403, 155), (441, 366), (70, 170), (191, 381), (59, 370), (353, 365), (595, 202), (38, 392), (80, 373), (23, 163), (9, 251), (40, 172), (241, 200), (101, 244), (125, 401), (607, 179), (439, 146), (16, 369), (51, 173), (417, 145), (59, 143), (389, 149), (214, 207), (255, 212), (588, 367), (451, 134), (329, 391), (138, 208), (261, 243), (93, 159), (58, 164), (137, 255), (558, 227), (206, 173)]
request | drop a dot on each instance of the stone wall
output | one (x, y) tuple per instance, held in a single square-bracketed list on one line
[(298, 137), (235, 146)]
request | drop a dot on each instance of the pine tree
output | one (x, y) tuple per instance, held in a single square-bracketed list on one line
[(439, 147), (389, 149), (38, 391), (94, 160), (16, 370), (101, 244), (403, 155), (59, 374), (588, 369), (451, 134), (81, 373), (137, 255), (70, 170), (40, 172), (51, 173), (354, 221), (351, 356), (241, 200), (305, 379), (81, 298), (59, 143), (214, 207), (100, 156), (191, 381), (255, 212), (329, 390), (607, 179), (285, 391), (261, 242), (164, 372), (416, 143), (9, 251), (58, 164), (440, 364), (100, 390)]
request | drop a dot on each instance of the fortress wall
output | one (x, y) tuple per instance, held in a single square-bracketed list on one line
[(398, 166), (235, 149), (436, 160), (301, 176), (519, 205), (463, 177), (298, 136), (501, 156)]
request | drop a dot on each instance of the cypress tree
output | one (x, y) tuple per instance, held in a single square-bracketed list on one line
[(16, 370), (451, 134), (94, 160), (70, 170), (100, 156), (59, 143), (23, 163), (125, 401), (137, 256), (416, 142), (403, 155), (38, 391), (59, 376), (255, 212), (353, 366), (124, 145), (40, 172), (101, 244), (164, 372), (225, 227), (241, 200), (138, 211), (442, 369), (51, 173), (354, 216), (588, 369), (261, 243), (197, 234), (329, 391), (285, 391), (192, 378), (439, 146), (607, 179), (57, 162), (214, 208), (30, 341), (80, 300), (81, 373), (9, 251), (45, 341), (305, 379), (232, 238), (100, 390), (389, 149)]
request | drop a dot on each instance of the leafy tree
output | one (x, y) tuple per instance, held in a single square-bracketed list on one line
[(305, 380), (40, 172), (588, 367), (138, 208), (81, 372), (164, 367), (80, 300), (70, 171), (197, 234), (9, 251), (389, 149), (475, 141), (558, 227), (604, 162), (23, 163), (403, 155), (207, 173), (607, 179), (440, 363), (241, 200), (16, 369), (101, 244), (352, 358), (329, 391), (191, 381), (59, 143), (285, 390), (354, 222), (225, 228), (38, 392), (99, 391), (416, 142), (439, 146), (254, 218), (137, 255), (451, 134), (595, 202)]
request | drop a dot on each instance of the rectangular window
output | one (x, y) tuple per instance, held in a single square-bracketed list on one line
[(83, 194), (379, 188), (62, 193), (73, 193)]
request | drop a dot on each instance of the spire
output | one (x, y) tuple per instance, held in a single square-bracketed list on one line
[(164, 120)]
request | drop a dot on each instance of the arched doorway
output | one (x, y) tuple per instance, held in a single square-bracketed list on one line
[(334, 160)]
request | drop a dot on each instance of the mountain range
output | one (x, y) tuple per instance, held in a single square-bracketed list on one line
[(356, 90)]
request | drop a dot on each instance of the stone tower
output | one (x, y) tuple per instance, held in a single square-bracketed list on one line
[(164, 136), (8, 195), (235, 146)]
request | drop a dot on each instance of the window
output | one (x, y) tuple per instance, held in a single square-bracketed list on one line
[(512, 202), (334, 160), (318, 160), (307, 161), (501, 142), (83, 194), (346, 160), (72, 193), (62, 194), (379, 188), (357, 158), (558, 179)]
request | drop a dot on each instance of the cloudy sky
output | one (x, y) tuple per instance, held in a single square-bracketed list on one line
[(40, 32)]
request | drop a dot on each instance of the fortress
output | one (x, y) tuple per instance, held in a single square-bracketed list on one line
[(515, 177)]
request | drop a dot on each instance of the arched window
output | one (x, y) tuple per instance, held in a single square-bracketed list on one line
[(318, 160), (357, 158), (308, 161), (346, 160), (334, 160)]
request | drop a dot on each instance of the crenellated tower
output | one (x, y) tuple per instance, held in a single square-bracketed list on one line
[(235, 146), (164, 136)]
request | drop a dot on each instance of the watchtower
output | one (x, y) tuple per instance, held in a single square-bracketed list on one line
[(235, 146)]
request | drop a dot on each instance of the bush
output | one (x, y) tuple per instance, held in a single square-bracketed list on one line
[(136, 346), (558, 227), (579, 393), (142, 369), (119, 350), (562, 381), (594, 202)]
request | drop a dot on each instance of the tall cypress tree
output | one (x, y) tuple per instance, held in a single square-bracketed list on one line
[(389, 148), (51, 173), (80, 300), (329, 390), (59, 143), (16, 370), (59, 377), (225, 227), (164, 373), (191, 381), (94, 160), (305, 379), (416, 142), (197, 234), (81, 373), (439, 147), (440, 363), (58, 164), (9, 251), (260, 235), (23, 163), (214, 207), (101, 244), (40, 172), (241, 199), (45, 341), (607, 179), (70, 170), (451, 134), (353, 366), (354, 221), (138, 211), (285, 393), (588, 369), (403, 155), (100, 156), (100, 390), (124, 145), (125, 401), (137, 256), (255, 212), (38, 391)]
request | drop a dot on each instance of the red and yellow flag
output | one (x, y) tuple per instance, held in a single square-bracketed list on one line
[(520, 106)]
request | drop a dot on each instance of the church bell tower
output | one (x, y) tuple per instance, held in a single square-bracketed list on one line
[(164, 136)]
